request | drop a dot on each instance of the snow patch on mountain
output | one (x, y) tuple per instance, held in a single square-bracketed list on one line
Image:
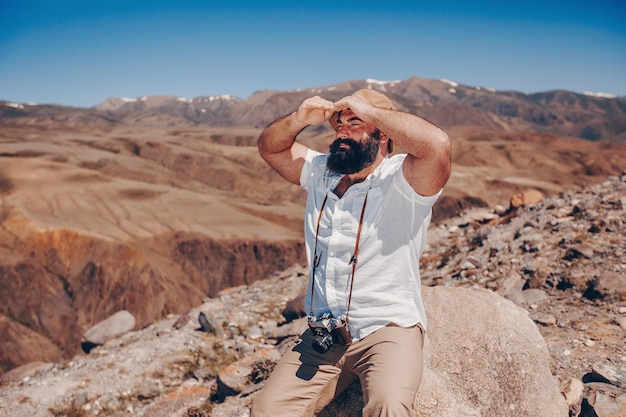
[(452, 83), (15, 105), (601, 95), (381, 84)]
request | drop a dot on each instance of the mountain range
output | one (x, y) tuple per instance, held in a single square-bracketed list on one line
[(445, 103), (151, 204)]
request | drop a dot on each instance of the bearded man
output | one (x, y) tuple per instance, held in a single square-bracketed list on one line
[(366, 219)]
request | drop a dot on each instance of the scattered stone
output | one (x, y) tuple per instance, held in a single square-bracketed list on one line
[(609, 284), (233, 379), (150, 388), (573, 393), (254, 333), (110, 328), (80, 400), (512, 288), (604, 400), (546, 319), (295, 308), (526, 198), (609, 373), (24, 371), (208, 324), (578, 252), (471, 263), (589, 343), (610, 406), (534, 295), (177, 402), (294, 328), (182, 320)]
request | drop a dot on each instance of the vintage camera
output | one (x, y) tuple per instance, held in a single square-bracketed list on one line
[(328, 330)]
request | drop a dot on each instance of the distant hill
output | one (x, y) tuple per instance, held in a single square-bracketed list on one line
[(446, 103)]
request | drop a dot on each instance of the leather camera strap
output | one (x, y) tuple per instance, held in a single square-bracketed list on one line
[(353, 260)]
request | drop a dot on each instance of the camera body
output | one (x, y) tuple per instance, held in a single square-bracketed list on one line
[(328, 330)]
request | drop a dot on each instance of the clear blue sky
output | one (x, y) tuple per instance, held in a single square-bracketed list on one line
[(81, 52)]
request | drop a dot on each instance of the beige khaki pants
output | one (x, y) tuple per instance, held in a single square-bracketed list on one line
[(388, 363)]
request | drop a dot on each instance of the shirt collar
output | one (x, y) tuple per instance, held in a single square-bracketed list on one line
[(331, 178)]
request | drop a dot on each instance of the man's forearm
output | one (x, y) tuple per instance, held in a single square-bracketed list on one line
[(414, 134), (280, 135), (278, 147), (427, 168)]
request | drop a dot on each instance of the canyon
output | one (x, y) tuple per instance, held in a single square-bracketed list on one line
[(153, 204)]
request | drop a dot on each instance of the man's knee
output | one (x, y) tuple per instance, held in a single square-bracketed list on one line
[(390, 403), (270, 403), (388, 408), (265, 407), (261, 406)]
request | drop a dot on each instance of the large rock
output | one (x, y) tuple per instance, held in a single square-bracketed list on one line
[(233, 379), (483, 356), (114, 326), (526, 198)]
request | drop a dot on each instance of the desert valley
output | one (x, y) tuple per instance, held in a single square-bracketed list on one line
[(155, 205)]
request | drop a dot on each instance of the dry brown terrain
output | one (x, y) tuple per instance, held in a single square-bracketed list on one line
[(154, 214), (560, 260)]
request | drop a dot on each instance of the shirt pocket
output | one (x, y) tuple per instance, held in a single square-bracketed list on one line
[(371, 215)]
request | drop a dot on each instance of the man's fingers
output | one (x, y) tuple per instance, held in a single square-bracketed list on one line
[(315, 110), (318, 102)]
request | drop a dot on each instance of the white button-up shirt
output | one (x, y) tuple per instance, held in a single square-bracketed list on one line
[(387, 287)]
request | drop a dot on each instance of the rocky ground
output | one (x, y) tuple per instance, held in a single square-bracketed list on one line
[(562, 258)]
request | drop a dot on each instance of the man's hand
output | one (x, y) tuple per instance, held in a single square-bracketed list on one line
[(315, 110), (359, 105)]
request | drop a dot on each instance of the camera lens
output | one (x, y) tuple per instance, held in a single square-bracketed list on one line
[(323, 341)]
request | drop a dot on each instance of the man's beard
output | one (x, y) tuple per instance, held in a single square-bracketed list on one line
[(356, 157)]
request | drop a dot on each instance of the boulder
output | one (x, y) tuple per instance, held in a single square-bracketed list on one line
[(233, 379), (483, 356), (110, 328), (526, 198), (209, 324), (295, 308), (24, 371), (610, 285), (604, 400)]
